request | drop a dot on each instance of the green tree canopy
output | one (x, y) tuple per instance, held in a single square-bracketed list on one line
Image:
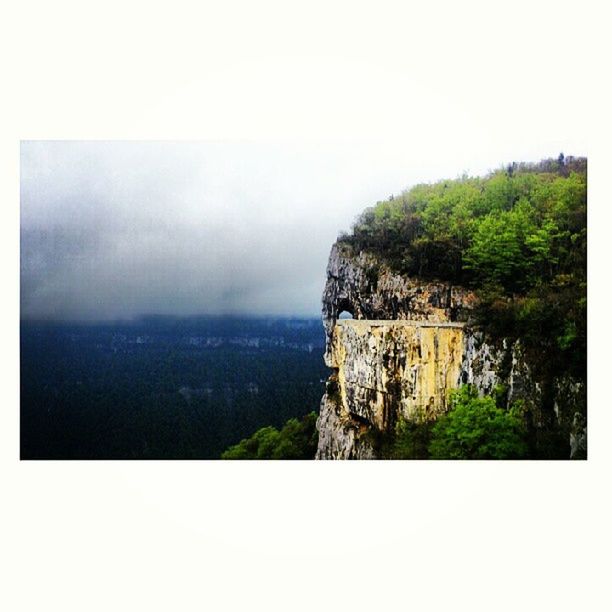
[(296, 440), (475, 428)]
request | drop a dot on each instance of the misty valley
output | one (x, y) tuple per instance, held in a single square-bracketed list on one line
[(164, 387)]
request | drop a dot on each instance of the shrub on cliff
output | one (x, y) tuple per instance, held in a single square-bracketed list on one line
[(296, 440), (410, 439), (475, 428)]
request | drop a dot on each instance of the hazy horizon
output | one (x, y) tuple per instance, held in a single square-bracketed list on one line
[(118, 230), (153, 317)]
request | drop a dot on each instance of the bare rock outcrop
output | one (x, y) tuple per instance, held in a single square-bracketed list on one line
[(409, 343)]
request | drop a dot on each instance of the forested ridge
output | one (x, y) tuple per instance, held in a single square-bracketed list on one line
[(518, 236)]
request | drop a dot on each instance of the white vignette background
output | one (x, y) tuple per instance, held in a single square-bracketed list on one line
[(302, 536)]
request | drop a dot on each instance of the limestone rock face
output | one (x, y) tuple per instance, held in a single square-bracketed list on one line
[(391, 368), (402, 352), (578, 437), (409, 344), (384, 370), (341, 436), (367, 289)]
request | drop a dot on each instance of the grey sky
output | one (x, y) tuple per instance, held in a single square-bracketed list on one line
[(117, 229)]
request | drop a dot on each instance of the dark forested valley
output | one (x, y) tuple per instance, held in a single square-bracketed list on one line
[(162, 387)]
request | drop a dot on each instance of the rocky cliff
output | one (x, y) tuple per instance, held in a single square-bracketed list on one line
[(366, 288), (409, 343)]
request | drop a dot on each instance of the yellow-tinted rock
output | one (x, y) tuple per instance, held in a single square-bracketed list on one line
[(387, 368)]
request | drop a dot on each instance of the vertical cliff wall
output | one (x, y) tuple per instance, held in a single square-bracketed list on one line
[(400, 355), (388, 368), (384, 370), (410, 342), (361, 285)]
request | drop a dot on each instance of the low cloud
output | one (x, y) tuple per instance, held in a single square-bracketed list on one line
[(114, 230), (118, 229)]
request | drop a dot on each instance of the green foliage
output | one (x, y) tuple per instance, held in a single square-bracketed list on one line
[(486, 230), (410, 440), (550, 319), (510, 249), (475, 428), (296, 440), (500, 395)]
